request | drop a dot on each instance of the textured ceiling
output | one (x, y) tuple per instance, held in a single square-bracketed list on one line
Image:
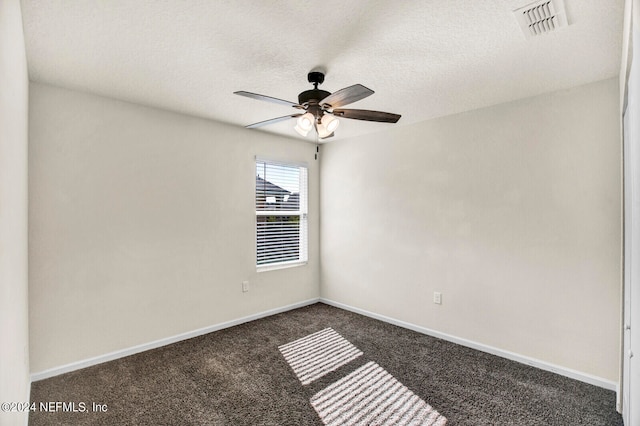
[(424, 59)]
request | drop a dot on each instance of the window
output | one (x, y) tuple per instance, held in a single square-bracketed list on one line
[(281, 214)]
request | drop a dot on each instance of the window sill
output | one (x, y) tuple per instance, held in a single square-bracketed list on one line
[(265, 268)]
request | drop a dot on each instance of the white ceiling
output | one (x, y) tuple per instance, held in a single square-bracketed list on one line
[(424, 59)]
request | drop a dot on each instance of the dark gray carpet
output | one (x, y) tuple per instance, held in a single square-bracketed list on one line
[(238, 376)]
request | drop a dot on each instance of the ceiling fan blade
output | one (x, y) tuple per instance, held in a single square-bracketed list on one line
[(346, 96), (366, 115), (272, 121), (267, 98)]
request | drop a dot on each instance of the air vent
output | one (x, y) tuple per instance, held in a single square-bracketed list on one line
[(541, 17)]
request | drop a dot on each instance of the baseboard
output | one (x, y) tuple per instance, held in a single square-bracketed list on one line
[(573, 374), (567, 372), (41, 375)]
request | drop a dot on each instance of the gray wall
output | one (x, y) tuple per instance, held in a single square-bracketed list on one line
[(141, 225), (14, 337), (513, 212)]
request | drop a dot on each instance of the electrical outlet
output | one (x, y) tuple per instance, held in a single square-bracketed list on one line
[(437, 298), (245, 286)]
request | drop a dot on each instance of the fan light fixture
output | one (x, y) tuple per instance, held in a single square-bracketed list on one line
[(322, 131), (325, 127), (304, 123), (330, 122), (301, 131)]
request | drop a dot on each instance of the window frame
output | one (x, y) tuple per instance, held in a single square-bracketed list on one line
[(301, 213)]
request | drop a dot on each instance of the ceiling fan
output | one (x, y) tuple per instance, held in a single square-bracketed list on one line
[(320, 108)]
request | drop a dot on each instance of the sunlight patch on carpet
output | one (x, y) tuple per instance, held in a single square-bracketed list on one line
[(372, 396), (318, 354)]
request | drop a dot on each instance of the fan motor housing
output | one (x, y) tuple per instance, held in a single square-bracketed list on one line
[(316, 95)]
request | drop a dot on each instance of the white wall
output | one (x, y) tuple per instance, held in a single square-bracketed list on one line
[(141, 225), (14, 337), (512, 212)]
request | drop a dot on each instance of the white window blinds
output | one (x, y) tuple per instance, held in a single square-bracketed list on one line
[(281, 214)]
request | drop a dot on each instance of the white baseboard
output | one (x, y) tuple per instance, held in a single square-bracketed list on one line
[(567, 372), (41, 375)]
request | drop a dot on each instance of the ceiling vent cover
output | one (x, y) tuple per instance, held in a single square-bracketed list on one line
[(541, 17)]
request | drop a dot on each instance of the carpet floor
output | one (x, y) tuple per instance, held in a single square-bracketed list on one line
[(240, 376)]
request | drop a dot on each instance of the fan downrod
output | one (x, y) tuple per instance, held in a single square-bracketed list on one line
[(313, 96)]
